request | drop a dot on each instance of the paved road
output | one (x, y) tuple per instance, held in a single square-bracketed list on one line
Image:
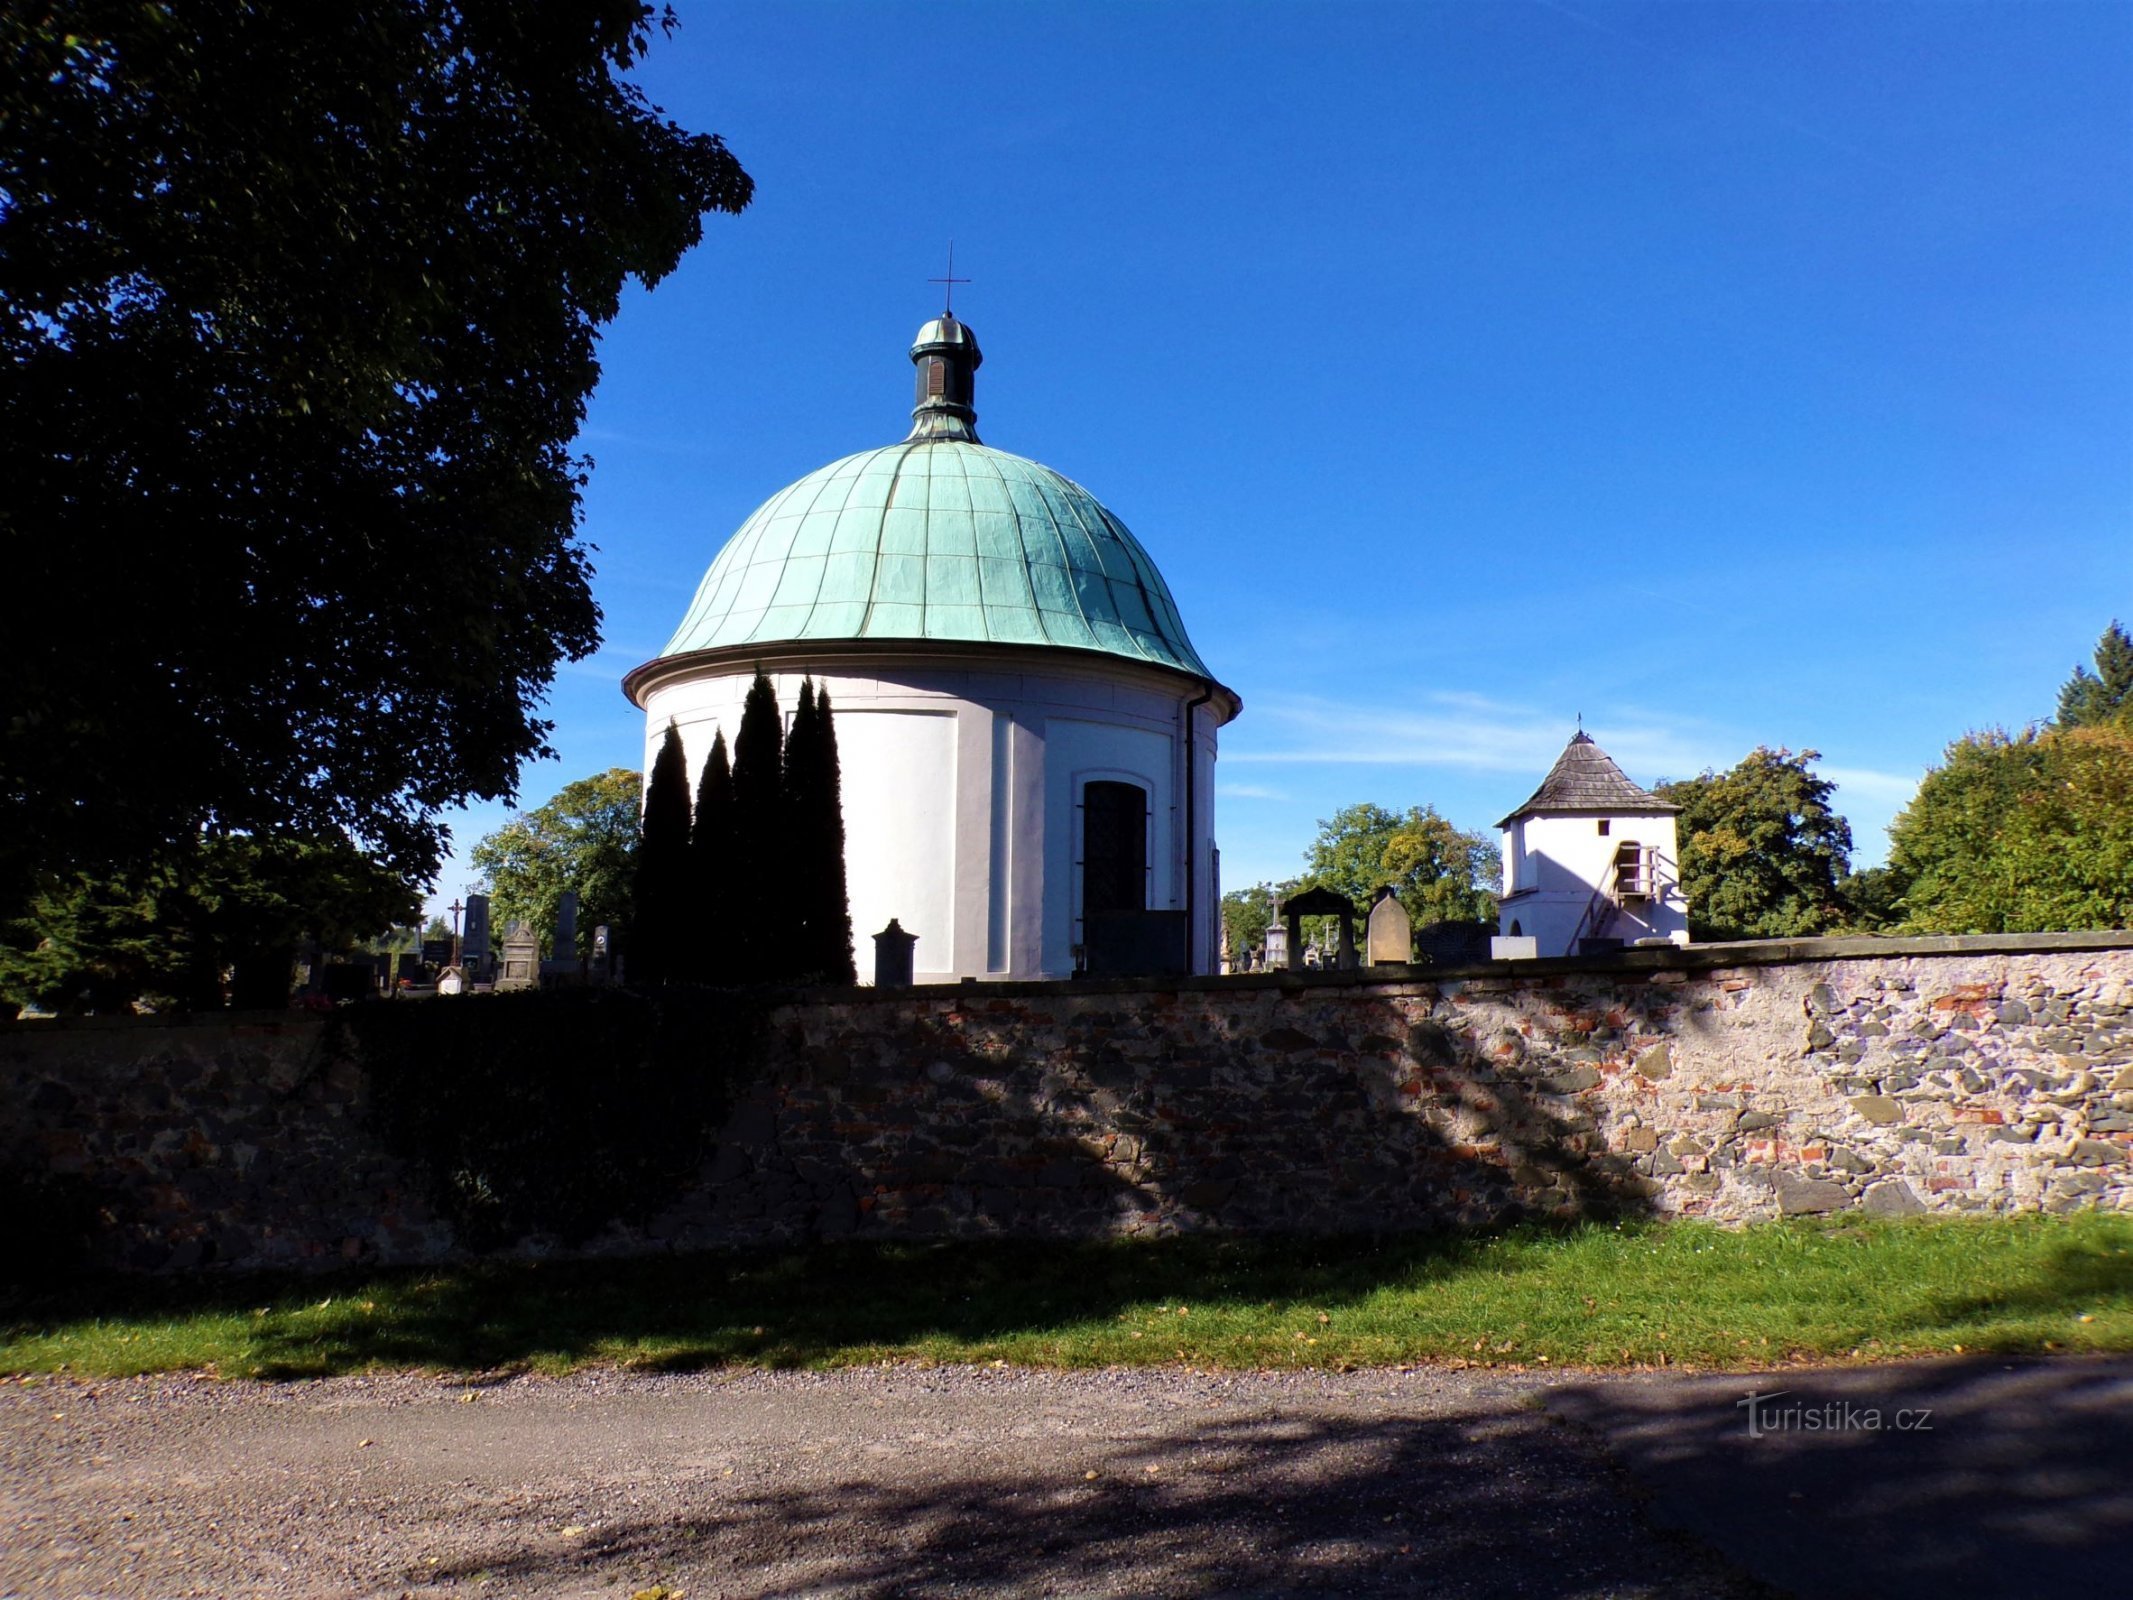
[(909, 1482)]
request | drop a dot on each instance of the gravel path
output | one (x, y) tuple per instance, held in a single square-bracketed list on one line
[(899, 1481)]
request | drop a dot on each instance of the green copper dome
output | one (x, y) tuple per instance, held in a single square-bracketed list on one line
[(939, 537)]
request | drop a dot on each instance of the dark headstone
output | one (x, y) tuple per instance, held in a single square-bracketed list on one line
[(1135, 944), (893, 956), (475, 946)]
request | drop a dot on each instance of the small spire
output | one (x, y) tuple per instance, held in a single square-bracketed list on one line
[(947, 357)]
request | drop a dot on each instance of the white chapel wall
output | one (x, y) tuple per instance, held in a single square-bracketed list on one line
[(960, 790)]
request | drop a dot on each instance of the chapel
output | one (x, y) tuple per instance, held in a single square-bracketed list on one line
[(1026, 734), (1591, 862)]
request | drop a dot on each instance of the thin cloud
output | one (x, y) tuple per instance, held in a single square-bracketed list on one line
[(1893, 788), (1468, 732), (1249, 791)]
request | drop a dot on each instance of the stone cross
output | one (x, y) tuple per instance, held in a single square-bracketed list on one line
[(1392, 932)]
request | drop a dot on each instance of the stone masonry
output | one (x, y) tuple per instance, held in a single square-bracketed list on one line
[(1734, 1083)]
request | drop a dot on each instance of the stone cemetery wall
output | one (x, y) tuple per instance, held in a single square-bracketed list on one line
[(1741, 1083)]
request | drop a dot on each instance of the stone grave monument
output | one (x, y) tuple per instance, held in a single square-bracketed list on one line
[(474, 948), (892, 956), (1391, 936), (522, 959)]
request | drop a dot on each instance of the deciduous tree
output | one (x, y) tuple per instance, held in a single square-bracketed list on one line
[(1440, 873), (1761, 850), (298, 316), (234, 909), (583, 840), (2021, 833)]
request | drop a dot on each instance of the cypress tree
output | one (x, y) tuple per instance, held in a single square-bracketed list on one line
[(662, 868), (711, 867), (761, 921), (833, 931), (822, 949)]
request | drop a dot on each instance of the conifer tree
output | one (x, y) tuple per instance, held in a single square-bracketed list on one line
[(836, 936), (824, 947), (761, 918), (2104, 697), (662, 869), (712, 856)]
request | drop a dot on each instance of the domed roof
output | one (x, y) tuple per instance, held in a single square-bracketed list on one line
[(938, 538)]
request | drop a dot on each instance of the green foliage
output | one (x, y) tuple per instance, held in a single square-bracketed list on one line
[(166, 932), (1762, 853), (659, 891), (558, 1112), (2021, 833), (814, 813), (1873, 900), (2104, 697), (1439, 873), (299, 306), (584, 839), (1247, 914)]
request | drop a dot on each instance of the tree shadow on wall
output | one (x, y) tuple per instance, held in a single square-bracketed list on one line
[(1291, 1131)]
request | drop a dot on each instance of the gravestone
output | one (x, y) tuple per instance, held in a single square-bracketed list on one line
[(436, 952), (892, 956), (1392, 933), (566, 927), (451, 981), (474, 949), (522, 959)]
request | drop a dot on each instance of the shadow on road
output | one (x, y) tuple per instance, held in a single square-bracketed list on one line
[(1480, 1505), (1951, 1480)]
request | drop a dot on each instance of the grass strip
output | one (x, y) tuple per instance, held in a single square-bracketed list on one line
[(1594, 1295)]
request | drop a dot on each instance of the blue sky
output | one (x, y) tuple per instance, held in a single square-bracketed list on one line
[(1731, 374)]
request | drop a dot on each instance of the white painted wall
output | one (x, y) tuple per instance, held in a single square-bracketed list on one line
[(1554, 864), (960, 786)]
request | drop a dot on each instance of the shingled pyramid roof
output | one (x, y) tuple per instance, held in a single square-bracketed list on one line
[(1585, 778)]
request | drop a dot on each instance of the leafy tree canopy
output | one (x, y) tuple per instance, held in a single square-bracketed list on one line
[(167, 934), (298, 309), (2021, 833), (1439, 873), (584, 839), (2105, 696), (1762, 853)]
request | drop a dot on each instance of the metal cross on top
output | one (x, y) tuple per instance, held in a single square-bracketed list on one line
[(949, 283)]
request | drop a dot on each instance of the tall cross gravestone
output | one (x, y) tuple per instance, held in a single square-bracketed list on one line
[(566, 930), (474, 950)]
